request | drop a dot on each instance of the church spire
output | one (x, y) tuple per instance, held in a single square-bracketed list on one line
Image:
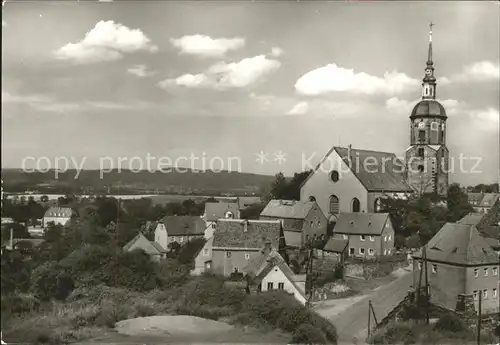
[(429, 81)]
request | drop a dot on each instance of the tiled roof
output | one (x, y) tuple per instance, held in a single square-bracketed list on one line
[(335, 245), (184, 225), (377, 171), (356, 223), (459, 244), (287, 209), (59, 212), (490, 219), (293, 238), (231, 233), (489, 199), (293, 224), (152, 248), (471, 219), (217, 210), (263, 263)]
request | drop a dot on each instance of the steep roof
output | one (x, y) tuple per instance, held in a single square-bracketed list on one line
[(149, 247), (489, 199), (217, 210), (377, 171), (231, 233), (355, 223), (489, 224), (184, 225), (471, 219), (459, 244), (287, 209), (262, 264), (59, 212)]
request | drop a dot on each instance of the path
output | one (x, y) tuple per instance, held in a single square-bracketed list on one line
[(350, 315)]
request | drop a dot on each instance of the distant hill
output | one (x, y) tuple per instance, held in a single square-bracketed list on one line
[(126, 181)]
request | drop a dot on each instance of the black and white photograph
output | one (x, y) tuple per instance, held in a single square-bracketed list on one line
[(250, 172)]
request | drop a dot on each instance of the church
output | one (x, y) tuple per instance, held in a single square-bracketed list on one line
[(355, 180)]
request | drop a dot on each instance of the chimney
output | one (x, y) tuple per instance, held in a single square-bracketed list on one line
[(11, 238), (349, 153)]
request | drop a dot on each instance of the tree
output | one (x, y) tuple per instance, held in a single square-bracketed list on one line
[(190, 250), (44, 198), (457, 203), (252, 211)]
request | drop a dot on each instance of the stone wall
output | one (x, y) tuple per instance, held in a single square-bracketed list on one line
[(373, 269), (331, 291)]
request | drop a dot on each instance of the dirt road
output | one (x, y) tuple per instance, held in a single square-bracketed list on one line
[(350, 315)]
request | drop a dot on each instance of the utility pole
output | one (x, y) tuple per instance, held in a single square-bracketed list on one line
[(479, 319), (426, 287)]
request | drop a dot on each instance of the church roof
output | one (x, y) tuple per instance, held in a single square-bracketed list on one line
[(428, 108)]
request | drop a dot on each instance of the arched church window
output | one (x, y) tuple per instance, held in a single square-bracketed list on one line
[(312, 198), (378, 205), (434, 126), (334, 204), (355, 205), (334, 176), (420, 168)]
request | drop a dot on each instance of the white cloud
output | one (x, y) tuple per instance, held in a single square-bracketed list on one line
[(332, 78), (490, 117), (402, 106), (140, 71), (206, 46), (107, 41), (479, 71), (299, 109), (277, 52), (227, 75)]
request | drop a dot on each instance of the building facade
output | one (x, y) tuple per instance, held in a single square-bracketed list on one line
[(180, 229), (459, 262), (57, 215), (427, 157)]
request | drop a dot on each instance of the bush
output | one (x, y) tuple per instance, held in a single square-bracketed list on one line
[(19, 304), (308, 334), (395, 334), (51, 281), (451, 323)]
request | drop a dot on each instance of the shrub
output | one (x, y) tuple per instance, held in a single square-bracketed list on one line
[(19, 304), (308, 334), (50, 281), (395, 334), (169, 273), (451, 323)]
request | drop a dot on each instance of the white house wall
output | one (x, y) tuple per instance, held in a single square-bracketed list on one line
[(277, 276)]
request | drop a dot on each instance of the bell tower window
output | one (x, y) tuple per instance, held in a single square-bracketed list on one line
[(421, 135)]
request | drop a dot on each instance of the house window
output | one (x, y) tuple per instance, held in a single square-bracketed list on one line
[(181, 238), (352, 251), (495, 271), (378, 205), (355, 205), (362, 237), (486, 272), (270, 286), (476, 272), (372, 239), (362, 251), (247, 256), (371, 251), (385, 238), (281, 286), (205, 251), (494, 293), (485, 294), (344, 237), (390, 237), (419, 266), (475, 294), (334, 204), (213, 225), (228, 254), (434, 268), (334, 176), (420, 152)]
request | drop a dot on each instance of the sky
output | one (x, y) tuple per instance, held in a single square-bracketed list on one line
[(260, 87)]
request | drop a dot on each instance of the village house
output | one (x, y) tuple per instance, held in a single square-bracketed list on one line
[(203, 260), (335, 247), (154, 249), (238, 240), (268, 271), (301, 220), (460, 262), (339, 186), (180, 229), (482, 202), (57, 215), (369, 234), (218, 210)]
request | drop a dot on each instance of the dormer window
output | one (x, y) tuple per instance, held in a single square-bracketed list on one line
[(229, 215)]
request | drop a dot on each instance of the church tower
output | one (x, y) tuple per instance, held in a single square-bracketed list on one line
[(427, 157)]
